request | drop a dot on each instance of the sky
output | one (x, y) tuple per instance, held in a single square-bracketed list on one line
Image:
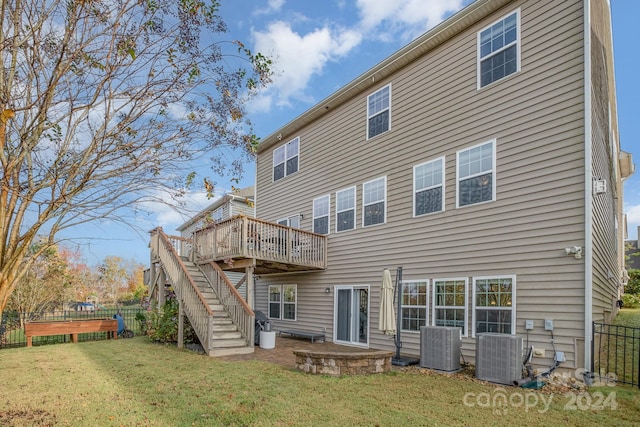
[(320, 46)]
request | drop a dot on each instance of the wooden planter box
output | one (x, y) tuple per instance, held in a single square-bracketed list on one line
[(70, 327)]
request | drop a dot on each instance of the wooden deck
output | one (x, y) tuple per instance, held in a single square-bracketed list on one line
[(241, 242)]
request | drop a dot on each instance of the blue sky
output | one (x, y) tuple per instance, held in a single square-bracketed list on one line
[(319, 46)]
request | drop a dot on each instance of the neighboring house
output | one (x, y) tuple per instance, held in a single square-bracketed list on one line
[(240, 202), (484, 158), (632, 252)]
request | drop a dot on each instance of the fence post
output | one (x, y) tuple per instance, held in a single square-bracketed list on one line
[(593, 344)]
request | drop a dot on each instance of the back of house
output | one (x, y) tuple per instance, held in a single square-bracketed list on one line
[(482, 158)]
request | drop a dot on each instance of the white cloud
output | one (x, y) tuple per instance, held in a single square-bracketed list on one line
[(410, 13), (299, 57), (272, 7)]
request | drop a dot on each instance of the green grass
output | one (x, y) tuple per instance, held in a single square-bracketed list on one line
[(137, 383)]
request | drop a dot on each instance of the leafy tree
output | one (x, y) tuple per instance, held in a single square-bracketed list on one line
[(112, 279), (633, 286), (45, 286), (106, 105)]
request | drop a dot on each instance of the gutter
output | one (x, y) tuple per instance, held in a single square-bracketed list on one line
[(588, 192)]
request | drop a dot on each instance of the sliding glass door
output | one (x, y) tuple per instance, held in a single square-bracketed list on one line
[(351, 315)]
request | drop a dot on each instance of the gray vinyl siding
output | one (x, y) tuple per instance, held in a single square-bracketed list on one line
[(241, 207), (537, 119)]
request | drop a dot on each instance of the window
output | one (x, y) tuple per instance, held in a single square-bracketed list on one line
[(499, 50), (275, 300), (379, 112), (475, 174), (428, 187), (346, 209), (494, 304), (293, 221), (321, 215), (414, 304), (374, 195), (285, 159), (450, 303), (283, 301)]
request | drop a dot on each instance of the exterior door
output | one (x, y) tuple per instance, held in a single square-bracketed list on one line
[(351, 315)]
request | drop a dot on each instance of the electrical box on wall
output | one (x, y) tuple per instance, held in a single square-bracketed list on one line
[(548, 324), (528, 324), (600, 186)]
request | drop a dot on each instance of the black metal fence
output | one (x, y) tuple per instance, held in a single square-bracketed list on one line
[(616, 350), (12, 331)]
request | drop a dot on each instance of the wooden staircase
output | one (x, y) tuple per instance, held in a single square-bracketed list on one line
[(222, 328), (225, 335)]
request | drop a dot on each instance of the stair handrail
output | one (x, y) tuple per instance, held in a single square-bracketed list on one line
[(190, 280), (196, 309), (232, 288)]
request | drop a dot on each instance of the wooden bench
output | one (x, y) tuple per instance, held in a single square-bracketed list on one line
[(313, 336), (70, 327)]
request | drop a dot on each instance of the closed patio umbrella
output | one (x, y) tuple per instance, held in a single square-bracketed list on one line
[(387, 319)]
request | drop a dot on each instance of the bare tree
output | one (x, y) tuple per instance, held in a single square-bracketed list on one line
[(105, 104)]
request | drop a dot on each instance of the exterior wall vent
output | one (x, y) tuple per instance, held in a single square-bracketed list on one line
[(498, 358), (440, 347), (600, 186)]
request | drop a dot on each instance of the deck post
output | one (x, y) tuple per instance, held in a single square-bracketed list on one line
[(180, 324), (250, 285), (162, 296)]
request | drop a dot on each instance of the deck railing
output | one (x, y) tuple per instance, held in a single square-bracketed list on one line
[(244, 237), (234, 304), (194, 304)]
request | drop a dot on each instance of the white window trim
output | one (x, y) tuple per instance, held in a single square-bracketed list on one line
[(456, 307), (282, 302), (389, 109), (295, 303), (345, 210), (513, 301), (269, 302), (385, 201), (336, 288), (518, 50), (287, 156), (493, 172), (328, 215), (441, 159), (288, 220), (426, 306)]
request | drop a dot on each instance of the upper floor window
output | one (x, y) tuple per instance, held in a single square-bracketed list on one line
[(285, 159), (415, 298), (475, 174), (374, 200), (494, 304), (499, 50), (379, 112), (346, 209), (321, 215), (428, 187)]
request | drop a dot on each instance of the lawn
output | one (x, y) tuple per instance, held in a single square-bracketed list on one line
[(135, 382)]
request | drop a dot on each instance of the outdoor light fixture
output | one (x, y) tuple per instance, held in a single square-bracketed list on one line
[(576, 251), (327, 290)]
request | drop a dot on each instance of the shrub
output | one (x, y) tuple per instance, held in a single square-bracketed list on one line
[(633, 286), (162, 326), (631, 300)]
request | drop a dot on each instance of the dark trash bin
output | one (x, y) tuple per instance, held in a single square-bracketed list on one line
[(261, 321)]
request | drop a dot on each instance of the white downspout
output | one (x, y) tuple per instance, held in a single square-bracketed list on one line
[(588, 188)]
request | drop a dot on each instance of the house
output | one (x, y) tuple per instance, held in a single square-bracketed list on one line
[(632, 254), (483, 158)]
